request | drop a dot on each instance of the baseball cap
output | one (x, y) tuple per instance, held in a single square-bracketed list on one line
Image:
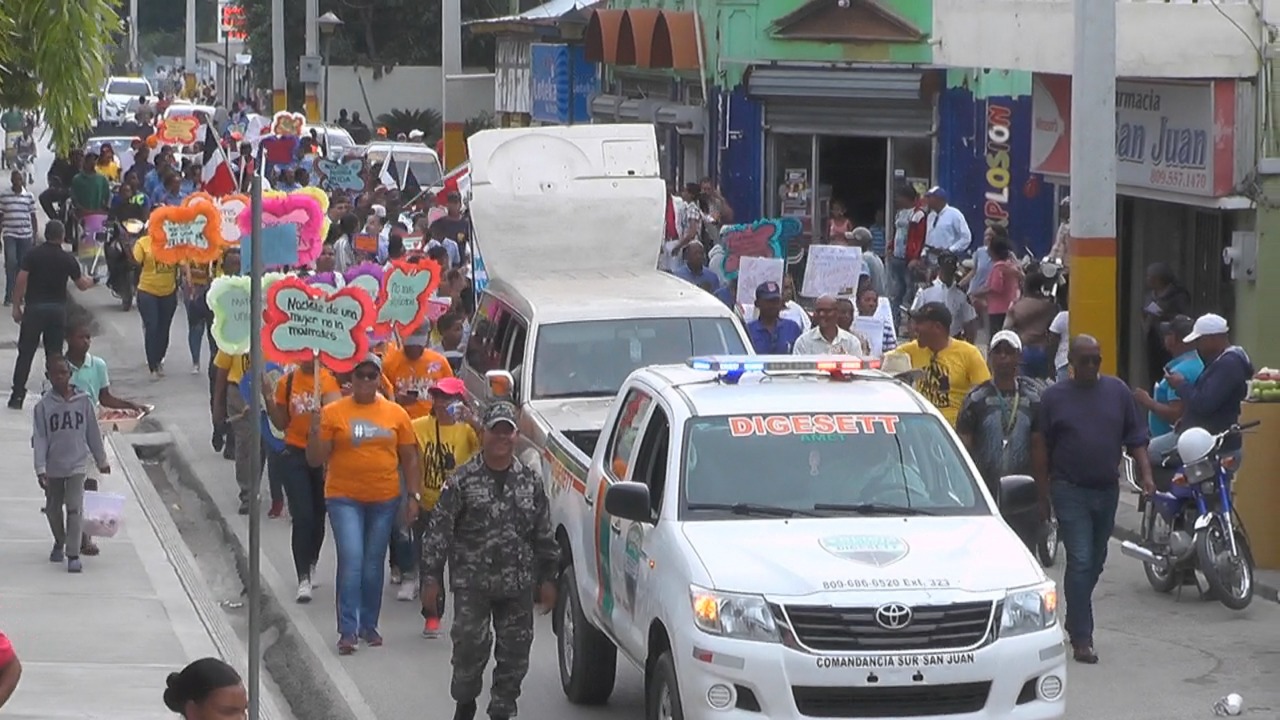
[(498, 413), (768, 291), (933, 312), (379, 210), (420, 337), (415, 134), (449, 386), (1208, 324), (371, 359), (1180, 325), (1008, 337), (936, 191)]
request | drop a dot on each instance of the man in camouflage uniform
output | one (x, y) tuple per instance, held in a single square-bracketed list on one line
[(493, 527)]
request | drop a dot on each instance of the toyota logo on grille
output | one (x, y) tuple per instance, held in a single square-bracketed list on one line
[(893, 616)]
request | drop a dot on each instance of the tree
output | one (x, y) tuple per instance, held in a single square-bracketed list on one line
[(54, 56)]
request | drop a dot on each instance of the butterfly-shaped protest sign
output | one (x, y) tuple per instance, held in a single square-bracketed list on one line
[(763, 238), (228, 298), (230, 207), (340, 176), (367, 277), (303, 322), (178, 130), (300, 209), (186, 233), (285, 123), (406, 291)]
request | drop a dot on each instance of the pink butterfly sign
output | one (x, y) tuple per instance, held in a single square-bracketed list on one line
[(300, 209)]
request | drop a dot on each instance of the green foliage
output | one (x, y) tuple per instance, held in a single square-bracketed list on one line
[(406, 121), (483, 121), (54, 55)]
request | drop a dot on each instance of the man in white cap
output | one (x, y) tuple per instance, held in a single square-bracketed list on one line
[(1213, 401), (998, 418), (416, 136)]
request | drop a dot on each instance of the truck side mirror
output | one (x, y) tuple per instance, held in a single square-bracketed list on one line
[(1020, 504), (629, 501), (501, 385)]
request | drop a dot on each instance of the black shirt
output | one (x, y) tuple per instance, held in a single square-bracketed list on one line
[(48, 268), (457, 229)]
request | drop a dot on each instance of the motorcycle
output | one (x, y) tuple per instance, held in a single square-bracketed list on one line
[(122, 271), (1190, 531)]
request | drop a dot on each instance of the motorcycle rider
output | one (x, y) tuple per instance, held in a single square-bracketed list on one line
[(1163, 404), (1213, 401)]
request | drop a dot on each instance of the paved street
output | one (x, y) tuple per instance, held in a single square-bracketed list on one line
[(1162, 659)]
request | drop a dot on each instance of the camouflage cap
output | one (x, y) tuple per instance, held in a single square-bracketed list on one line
[(500, 412)]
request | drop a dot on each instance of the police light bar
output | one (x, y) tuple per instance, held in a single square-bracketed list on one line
[(834, 364)]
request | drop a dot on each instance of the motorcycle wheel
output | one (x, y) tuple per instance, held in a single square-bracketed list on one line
[(1213, 554), (1049, 544), (126, 296), (1161, 581)]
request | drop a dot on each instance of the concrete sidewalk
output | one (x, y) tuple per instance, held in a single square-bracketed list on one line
[(100, 644)]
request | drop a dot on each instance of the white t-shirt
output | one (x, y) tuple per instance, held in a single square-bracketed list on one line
[(1059, 327), (962, 312)]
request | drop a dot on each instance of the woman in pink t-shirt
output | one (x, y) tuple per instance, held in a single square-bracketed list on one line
[(10, 670), (1004, 284)]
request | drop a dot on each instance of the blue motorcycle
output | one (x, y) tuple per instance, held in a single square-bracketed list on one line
[(1190, 530)]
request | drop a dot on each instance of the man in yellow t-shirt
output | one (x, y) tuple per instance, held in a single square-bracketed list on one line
[(950, 368), (447, 438)]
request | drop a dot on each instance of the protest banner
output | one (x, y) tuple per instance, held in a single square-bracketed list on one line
[(228, 298), (298, 208), (872, 328), (304, 322), (752, 271), (403, 302), (186, 233), (763, 238), (831, 270), (347, 175), (177, 130), (230, 207), (287, 124)]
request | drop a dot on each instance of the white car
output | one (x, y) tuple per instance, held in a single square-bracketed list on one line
[(797, 537), (118, 95)]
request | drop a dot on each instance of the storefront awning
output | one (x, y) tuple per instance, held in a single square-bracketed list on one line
[(635, 38), (601, 36), (676, 41)]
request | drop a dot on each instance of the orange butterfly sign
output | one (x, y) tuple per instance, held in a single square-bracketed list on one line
[(178, 130), (286, 123), (186, 233)]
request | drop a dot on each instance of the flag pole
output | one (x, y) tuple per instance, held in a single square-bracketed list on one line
[(255, 449)]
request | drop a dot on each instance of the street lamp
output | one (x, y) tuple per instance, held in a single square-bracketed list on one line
[(328, 23)]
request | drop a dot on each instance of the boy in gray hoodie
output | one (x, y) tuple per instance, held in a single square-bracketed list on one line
[(64, 432)]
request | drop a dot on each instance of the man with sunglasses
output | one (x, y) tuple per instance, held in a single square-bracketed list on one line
[(1084, 422)]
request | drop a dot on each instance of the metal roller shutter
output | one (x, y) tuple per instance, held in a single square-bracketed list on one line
[(829, 101)]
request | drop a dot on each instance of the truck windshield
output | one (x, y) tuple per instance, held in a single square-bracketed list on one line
[(132, 88), (860, 464), (591, 359)]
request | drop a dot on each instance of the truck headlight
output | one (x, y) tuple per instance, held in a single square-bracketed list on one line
[(1029, 610), (744, 617)]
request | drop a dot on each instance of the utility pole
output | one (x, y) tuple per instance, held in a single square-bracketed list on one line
[(189, 58), (451, 66), (1094, 289), (134, 65), (312, 50), (279, 88)]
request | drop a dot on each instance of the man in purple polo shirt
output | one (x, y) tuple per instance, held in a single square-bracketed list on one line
[(1084, 422)]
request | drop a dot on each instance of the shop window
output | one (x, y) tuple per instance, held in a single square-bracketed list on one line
[(791, 194)]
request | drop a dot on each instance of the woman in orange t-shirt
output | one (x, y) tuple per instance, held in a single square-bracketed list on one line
[(299, 395), (413, 370), (370, 450)]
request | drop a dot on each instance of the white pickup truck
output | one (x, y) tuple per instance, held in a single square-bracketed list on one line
[(781, 537)]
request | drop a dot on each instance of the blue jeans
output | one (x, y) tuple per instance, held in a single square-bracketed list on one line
[(304, 488), (361, 531), (15, 248), (1086, 517), (157, 317)]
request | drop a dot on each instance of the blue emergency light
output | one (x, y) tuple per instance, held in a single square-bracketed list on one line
[(732, 367)]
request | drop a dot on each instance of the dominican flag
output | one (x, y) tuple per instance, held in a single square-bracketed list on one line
[(389, 172), (411, 187), (216, 173), (457, 180)]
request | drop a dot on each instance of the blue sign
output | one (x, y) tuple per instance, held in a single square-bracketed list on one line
[(562, 84)]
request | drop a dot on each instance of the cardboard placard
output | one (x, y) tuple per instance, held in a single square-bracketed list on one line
[(407, 287), (365, 243), (287, 124), (230, 207), (752, 271), (298, 208), (178, 130), (831, 270), (228, 298), (345, 175), (762, 238), (186, 233), (872, 328), (303, 322)]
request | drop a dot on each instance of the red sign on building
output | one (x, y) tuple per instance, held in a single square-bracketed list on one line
[(231, 22)]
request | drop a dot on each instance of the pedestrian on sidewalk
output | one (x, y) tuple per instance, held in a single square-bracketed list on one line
[(10, 669), (1085, 422), (230, 410), (1000, 416), (291, 407), (205, 690), (64, 432), (222, 441), (157, 302), (368, 445), (40, 303), (18, 228), (493, 527)]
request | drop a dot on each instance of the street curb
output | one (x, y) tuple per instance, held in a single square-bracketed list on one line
[(301, 662), (224, 638), (1263, 590)]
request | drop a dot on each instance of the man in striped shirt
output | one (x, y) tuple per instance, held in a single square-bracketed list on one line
[(17, 229)]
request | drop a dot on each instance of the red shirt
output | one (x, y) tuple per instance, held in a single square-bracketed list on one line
[(7, 655), (916, 232), (672, 232)]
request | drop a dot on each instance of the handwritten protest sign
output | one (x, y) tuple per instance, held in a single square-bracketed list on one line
[(345, 175), (365, 243), (300, 209), (831, 270), (305, 322), (285, 123), (755, 270), (230, 207), (228, 298), (762, 238), (872, 328), (178, 130), (186, 233), (406, 290)]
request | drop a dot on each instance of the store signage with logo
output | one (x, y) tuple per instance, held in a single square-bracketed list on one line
[(1171, 136), (995, 206), (231, 22), (562, 83)]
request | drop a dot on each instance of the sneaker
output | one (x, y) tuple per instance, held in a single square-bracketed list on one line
[(347, 644), (431, 628), (304, 591), (408, 590), (371, 638), (396, 577), (465, 711), (195, 369), (73, 565), (244, 507), (155, 376), (15, 400), (277, 509), (56, 555), (160, 369), (313, 577)]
